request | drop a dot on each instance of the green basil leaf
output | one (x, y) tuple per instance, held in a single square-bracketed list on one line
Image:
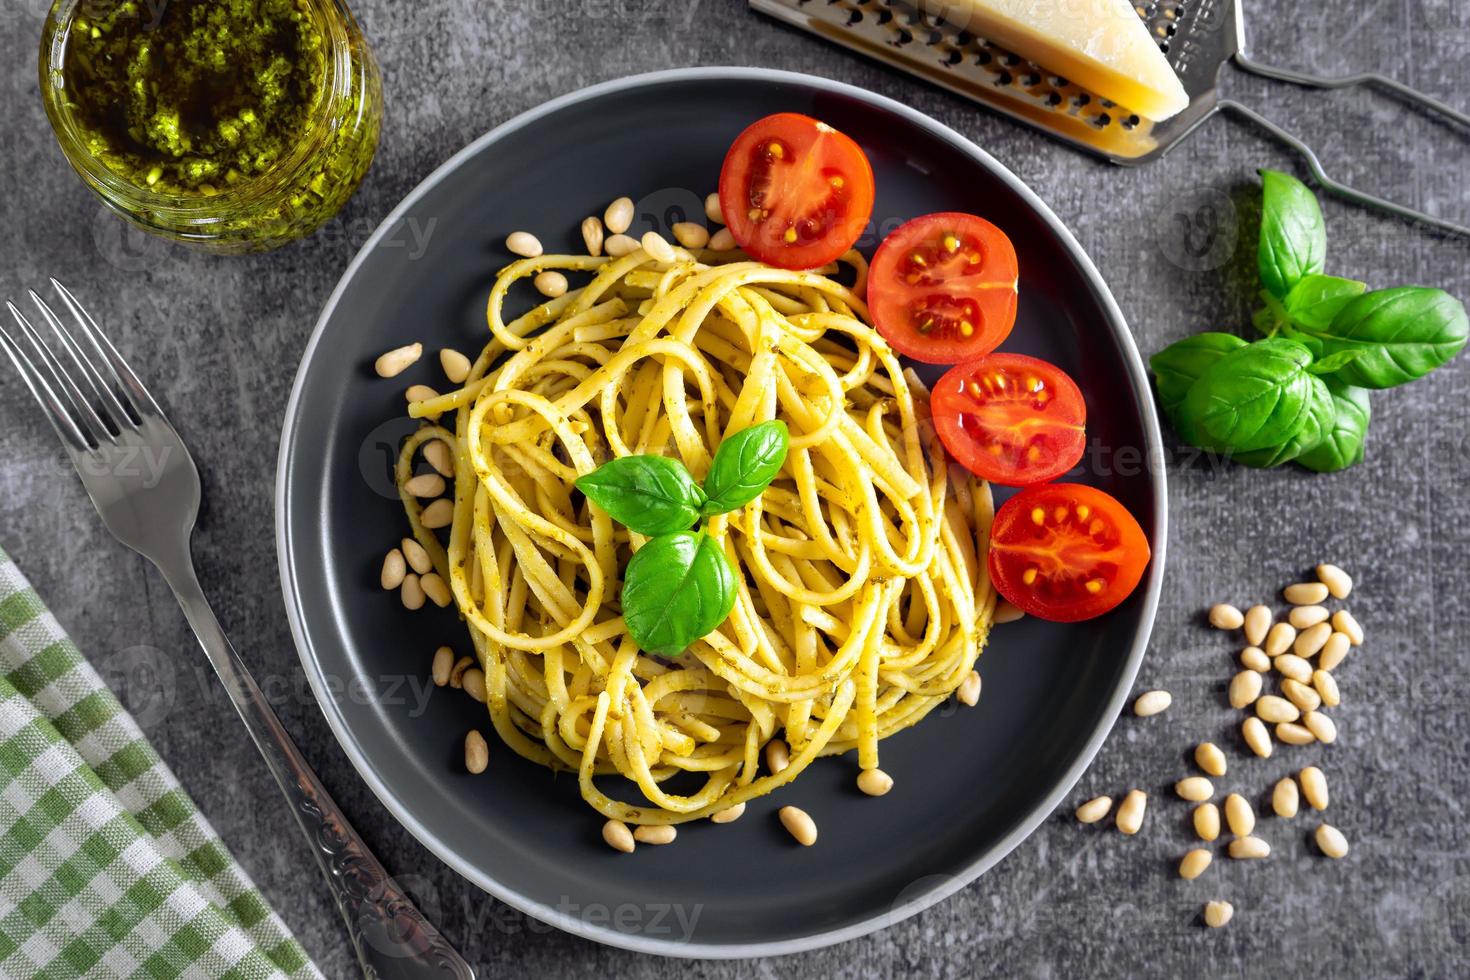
[(1403, 333), (647, 494), (1335, 362), (676, 588), (744, 465), (1253, 398), (1315, 300), (1343, 445), (1177, 366), (1293, 236), (1317, 423)]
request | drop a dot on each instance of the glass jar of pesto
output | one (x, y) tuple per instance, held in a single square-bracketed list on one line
[(234, 125)]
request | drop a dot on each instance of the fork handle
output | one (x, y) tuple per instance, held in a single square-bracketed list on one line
[(390, 936), (1372, 79)]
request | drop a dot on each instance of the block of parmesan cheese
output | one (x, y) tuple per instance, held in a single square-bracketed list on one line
[(1102, 45)]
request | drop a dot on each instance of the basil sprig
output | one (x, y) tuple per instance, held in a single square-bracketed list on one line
[(1300, 393), (680, 585)]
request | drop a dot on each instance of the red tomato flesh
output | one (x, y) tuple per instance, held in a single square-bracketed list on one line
[(942, 288), (1066, 552), (1011, 419), (795, 192)]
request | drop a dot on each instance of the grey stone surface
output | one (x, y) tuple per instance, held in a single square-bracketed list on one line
[(220, 338)]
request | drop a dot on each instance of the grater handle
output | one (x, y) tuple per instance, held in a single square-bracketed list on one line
[(1372, 79), (1334, 187)]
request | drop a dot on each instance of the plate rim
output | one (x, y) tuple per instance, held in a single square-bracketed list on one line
[(1153, 464)]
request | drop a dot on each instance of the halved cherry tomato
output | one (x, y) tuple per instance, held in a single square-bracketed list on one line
[(1012, 419), (1064, 552), (795, 192), (942, 288)]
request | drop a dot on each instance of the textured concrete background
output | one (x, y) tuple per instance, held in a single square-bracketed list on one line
[(219, 340)]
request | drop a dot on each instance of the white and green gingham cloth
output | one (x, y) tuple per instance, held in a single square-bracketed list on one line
[(107, 869)]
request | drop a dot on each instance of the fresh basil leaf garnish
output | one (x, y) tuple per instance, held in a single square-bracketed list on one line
[(1316, 299), (1316, 423), (1335, 361), (1403, 333), (647, 494), (744, 465), (676, 589), (1253, 398), (1179, 365), (1293, 236), (1343, 445)]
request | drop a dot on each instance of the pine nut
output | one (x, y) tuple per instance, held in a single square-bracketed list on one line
[(443, 661), (1332, 842), (1301, 695), (457, 672), (1218, 914), (419, 393), (778, 756), (618, 836), (657, 247), (1207, 756), (550, 283), (1338, 582), (690, 234), (969, 690), (1294, 667), (728, 815), (1207, 821), (436, 589), (1257, 622), (1293, 734), (1272, 709), (1334, 651), (1305, 593), (418, 558), (799, 825), (874, 782), (1312, 639), (1248, 848), (655, 834), (1326, 687), (1239, 815), (619, 245), (712, 209), (619, 215), (391, 577), (1196, 789), (476, 752), (455, 365), (1304, 616), (1256, 736), (438, 514), (1130, 812), (1279, 639), (1194, 864), (473, 683), (1314, 787), (1151, 703), (1224, 616), (722, 240), (592, 235), (523, 243), (1254, 658), (411, 593), (397, 360), (1006, 613), (1094, 810), (437, 454), (1343, 622), (425, 485), (1284, 798), (1321, 726)]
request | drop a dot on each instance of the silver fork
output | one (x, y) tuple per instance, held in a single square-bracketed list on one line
[(106, 420)]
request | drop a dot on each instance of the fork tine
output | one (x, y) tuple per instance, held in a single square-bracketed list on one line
[(82, 410), (56, 413), (100, 388), (134, 393)]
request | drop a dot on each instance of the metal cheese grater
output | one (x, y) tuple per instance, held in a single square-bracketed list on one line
[(1199, 37)]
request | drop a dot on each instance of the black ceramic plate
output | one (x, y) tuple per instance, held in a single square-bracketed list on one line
[(970, 784)]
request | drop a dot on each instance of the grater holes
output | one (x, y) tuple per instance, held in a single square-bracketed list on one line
[(1130, 122), (1102, 120), (1053, 99), (854, 16)]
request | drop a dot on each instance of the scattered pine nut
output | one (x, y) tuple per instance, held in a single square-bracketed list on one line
[(443, 661), (391, 577), (1207, 756), (1194, 864), (1256, 736), (438, 455), (1270, 708), (722, 240), (1334, 651), (799, 824), (1257, 622), (1305, 593), (425, 485), (1218, 914), (523, 243), (550, 283), (1338, 582), (436, 589), (618, 836), (1326, 687), (1280, 639), (1321, 726), (419, 393), (1151, 703), (655, 834), (1224, 616), (619, 215), (473, 683), (1196, 789), (1293, 734), (657, 247), (1131, 811), (1303, 616), (1299, 694), (1248, 848), (1239, 815), (592, 235), (1332, 842), (438, 514), (455, 365), (1293, 666), (778, 756), (1343, 622), (1094, 810), (397, 360), (476, 752), (690, 234), (1207, 821), (728, 815), (969, 690), (418, 558), (619, 245), (1254, 658), (712, 209), (874, 782), (1006, 613), (1312, 639), (1314, 787), (1284, 798), (457, 672), (411, 593)]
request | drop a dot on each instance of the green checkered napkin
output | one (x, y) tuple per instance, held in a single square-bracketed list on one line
[(107, 869)]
